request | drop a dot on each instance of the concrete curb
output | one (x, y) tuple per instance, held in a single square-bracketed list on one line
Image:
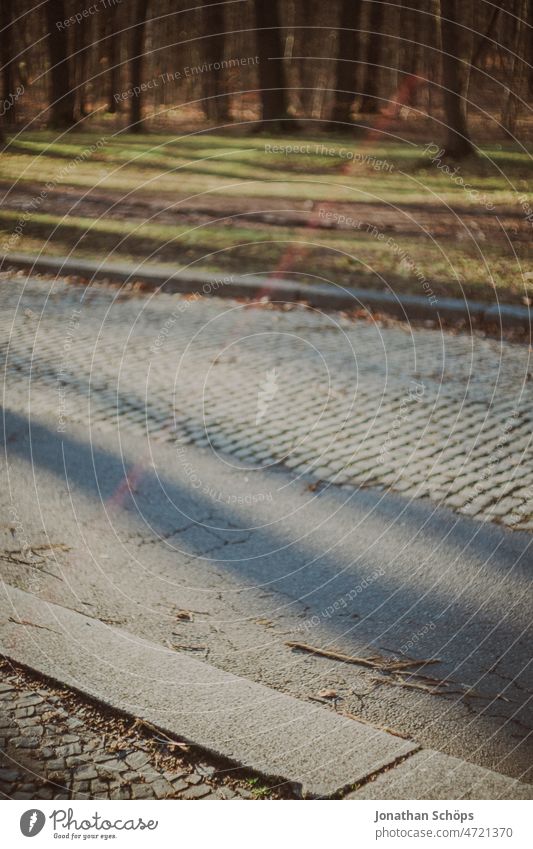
[(320, 295), (316, 750)]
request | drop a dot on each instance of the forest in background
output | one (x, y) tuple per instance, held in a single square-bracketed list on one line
[(455, 69)]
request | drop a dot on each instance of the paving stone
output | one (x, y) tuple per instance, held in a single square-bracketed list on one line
[(30, 699), (113, 765), (25, 723), (179, 785), (76, 760), (197, 792), (56, 764), (162, 788), (27, 787), (27, 742), (81, 785), (87, 771), (121, 793), (45, 793), (224, 793), (9, 775), (99, 787), (141, 791), (47, 753), (242, 793), (22, 712), (68, 750), (137, 760)]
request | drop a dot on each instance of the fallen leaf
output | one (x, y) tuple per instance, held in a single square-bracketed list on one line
[(186, 615), (328, 694)]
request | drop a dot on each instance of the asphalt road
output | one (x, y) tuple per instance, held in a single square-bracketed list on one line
[(136, 493)]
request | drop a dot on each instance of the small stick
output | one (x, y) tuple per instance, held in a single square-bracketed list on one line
[(373, 725), (33, 624), (372, 662)]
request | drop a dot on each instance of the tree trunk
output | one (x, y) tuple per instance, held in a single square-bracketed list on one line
[(345, 68), (62, 97), (113, 59), (515, 92), (137, 62), (530, 45), (215, 102), (455, 72), (306, 45), (485, 41), (7, 49), (370, 103), (82, 44), (273, 91)]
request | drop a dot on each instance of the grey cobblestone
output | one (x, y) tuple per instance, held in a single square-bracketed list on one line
[(461, 427), (147, 770)]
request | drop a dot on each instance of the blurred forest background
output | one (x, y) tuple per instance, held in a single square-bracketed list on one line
[(467, 63), (260, 136)]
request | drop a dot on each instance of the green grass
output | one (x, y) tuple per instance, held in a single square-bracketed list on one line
[(205, 162), (216, 168)]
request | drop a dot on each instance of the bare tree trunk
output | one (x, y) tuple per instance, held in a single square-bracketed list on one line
[(82, 44), (62, 97), (370, 103), (7, 50), (455, 73), (215, 102), (305, 44), (530, 46), (515, 88), (485, 41), (273, 91), (113, 58), (345, 68), (136, 63)]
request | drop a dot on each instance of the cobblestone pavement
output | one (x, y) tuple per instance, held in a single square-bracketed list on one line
[(56, 745), (347, 400)]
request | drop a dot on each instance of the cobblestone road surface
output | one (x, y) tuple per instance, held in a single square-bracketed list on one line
[(351, 402)]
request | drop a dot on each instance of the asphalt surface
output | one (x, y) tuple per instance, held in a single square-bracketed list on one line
[(136, 494)]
